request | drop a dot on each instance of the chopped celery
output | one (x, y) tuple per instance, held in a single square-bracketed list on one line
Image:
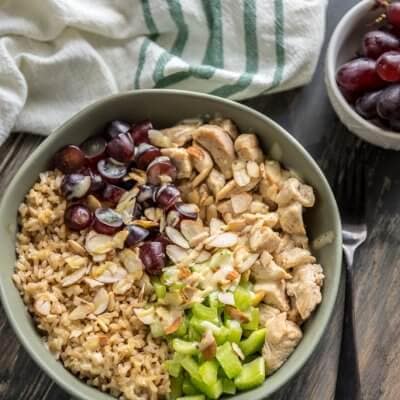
[(190, 366), (157, 330), (195, 397), (209, 372), (183, 328), (213, 300), (254, 322), (253, 343), (205, 313), (193, 334), (228, 386), (174, 366), (184, 347), (221, 335), (177, 286), (176, 388), (235, 330), (228, 360), (160, 290), (220, 258), (213, 391), (188, 388), (252, 375), (243, 298)]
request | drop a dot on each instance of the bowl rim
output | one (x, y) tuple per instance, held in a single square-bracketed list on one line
[(331, 56), (257, 393)]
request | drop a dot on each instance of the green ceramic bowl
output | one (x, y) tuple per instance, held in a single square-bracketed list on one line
[(164, 108)]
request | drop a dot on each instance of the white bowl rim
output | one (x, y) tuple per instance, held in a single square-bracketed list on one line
[(362, 7)]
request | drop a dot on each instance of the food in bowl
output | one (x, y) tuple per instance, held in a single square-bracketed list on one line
[(171, 262), (371, 81)]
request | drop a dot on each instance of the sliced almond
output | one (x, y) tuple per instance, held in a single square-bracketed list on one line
[(241, 202), (236, 225), (92, 283), (145, 223), (158, 139), (216, 226), (203, 256), (74, 277), (97, 243), (76, 247), (100, 301), (76, 262), (81, 312), (176, 237), (145, 315), (113, 273), (123, 285), (150, 213), (173, 218), (191, 229), (223, 240), (93, 202), (176, 253), (132, 262), (238, 351), (236, 314), (42, 306), (173, 327), (208, 345)]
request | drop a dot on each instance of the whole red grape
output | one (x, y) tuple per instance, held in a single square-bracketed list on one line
[(153, 257), (366, 104), (376, 43), (388, 66), (388, 104), (78, 217), (69, 159), (359, 75)]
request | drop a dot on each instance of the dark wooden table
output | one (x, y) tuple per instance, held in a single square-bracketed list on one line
[(307, 114)]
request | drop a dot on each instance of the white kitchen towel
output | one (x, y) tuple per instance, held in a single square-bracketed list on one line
[(57, 56)]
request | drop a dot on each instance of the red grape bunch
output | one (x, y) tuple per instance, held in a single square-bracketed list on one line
[(371, 82)]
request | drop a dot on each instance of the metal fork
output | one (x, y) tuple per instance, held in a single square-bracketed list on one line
[(350, 189)]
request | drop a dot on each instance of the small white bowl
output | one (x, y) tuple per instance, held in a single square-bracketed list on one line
[(344, 43)]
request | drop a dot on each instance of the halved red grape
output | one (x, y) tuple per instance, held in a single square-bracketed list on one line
[(75, 186), (137, 211), (121, 148), (161, 170), (366, 104), (111, 171), (145, 194), (127, 184), (112, 193), (351, 97), (359, 75), (393, 14), (139, 132), (78, 217), (187, 210), (376, 43), (94, 149), (388, 66), (145, 153), (97, 182), (388, 104), (69, 159), (153, 257), (114, 128), (136, 234), (156, 236), (167, 195), (107, 221)]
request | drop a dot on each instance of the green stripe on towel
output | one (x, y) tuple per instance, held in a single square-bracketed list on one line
[(250, 34)]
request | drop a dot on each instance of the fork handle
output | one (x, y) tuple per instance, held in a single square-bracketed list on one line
[(348, 379)]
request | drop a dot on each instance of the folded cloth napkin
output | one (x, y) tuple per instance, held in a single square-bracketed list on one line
[(57, 56)]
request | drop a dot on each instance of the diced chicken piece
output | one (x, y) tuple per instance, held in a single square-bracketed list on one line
[(291, 219), (281, 339), (215, 181), (275, 294), (294, 257), (241, 202), (227, 125), (273, 172), (180, 158), (248, 148), (294, 190), (264, 239), (240, 174), (267, 312), (270, 272), (202, 162), (305, 287), (182, 133), (269, 192), (219, 144)]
